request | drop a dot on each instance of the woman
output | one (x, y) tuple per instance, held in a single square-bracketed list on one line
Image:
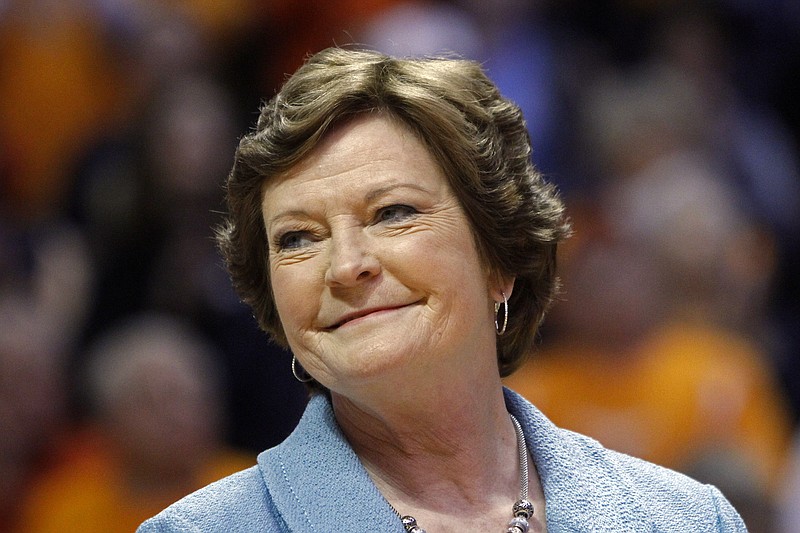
[(386, 224)]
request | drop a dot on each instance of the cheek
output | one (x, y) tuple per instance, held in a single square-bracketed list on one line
[(448, 269), (454, 261), (293, 299)]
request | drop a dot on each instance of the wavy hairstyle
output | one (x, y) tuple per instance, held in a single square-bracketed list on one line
[(478, 138)]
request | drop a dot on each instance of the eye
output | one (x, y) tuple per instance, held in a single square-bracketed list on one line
[(293, 240), (395, 213)]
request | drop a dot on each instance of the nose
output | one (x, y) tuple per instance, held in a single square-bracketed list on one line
[(350, 260)]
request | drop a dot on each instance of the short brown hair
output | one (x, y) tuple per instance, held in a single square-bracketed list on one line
[(478, 137)]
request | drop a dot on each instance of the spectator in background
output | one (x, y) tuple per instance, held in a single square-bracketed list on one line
[(789, 505), (45, 280), (681, 98), (32, 408), (58, 90), (746, 138), (147, 190), (156, 432)]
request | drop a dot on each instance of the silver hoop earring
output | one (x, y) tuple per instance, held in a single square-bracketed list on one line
[(497, 305), (296, 375)]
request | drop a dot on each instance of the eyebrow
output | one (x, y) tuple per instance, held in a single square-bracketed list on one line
[(292, 213), (381, 191)]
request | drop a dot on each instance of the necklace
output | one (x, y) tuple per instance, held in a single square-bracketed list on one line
[(523, 508)]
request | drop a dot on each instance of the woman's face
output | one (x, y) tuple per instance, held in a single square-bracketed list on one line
[(374, 270)]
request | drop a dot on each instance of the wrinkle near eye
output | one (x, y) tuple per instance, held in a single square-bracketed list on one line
[(291, 257)]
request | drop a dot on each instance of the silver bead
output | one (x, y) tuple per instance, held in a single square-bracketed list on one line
[(519, 523), (523, 508), (514, 530), (409, 521), (417, 529)]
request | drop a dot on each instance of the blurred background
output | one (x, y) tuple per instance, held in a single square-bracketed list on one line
[(130, 374)]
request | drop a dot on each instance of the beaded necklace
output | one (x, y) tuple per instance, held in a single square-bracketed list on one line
[(523, 508)]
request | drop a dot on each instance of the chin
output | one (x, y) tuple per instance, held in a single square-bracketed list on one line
[(374, 367)]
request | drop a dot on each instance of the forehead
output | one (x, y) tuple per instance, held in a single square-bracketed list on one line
[(366, 150)]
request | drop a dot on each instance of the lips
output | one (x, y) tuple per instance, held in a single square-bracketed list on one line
[(349, 317)]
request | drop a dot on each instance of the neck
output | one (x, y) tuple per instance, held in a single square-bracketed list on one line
[(443, 450)]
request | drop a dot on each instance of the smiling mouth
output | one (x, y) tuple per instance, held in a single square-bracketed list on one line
[(361, 314)]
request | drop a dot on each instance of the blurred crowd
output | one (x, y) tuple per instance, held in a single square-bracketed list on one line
[(130, 373)]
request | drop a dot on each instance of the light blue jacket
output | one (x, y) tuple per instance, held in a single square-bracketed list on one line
[(314, 482)]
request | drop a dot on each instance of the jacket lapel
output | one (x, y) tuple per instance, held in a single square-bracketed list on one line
[(317, 482)]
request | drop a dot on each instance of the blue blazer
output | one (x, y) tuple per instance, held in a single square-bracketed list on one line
[(314, 482)]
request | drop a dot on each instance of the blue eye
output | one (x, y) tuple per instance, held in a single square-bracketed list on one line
[(292, 240), (395, 213)]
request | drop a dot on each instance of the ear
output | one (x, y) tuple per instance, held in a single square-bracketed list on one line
[(502, 285)]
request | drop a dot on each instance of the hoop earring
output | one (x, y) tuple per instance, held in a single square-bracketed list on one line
[(296, 375), (497, 305)]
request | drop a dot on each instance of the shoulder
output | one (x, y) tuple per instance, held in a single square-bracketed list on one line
[(662, 487), (647, 494), (239, 502), (588, 486)]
